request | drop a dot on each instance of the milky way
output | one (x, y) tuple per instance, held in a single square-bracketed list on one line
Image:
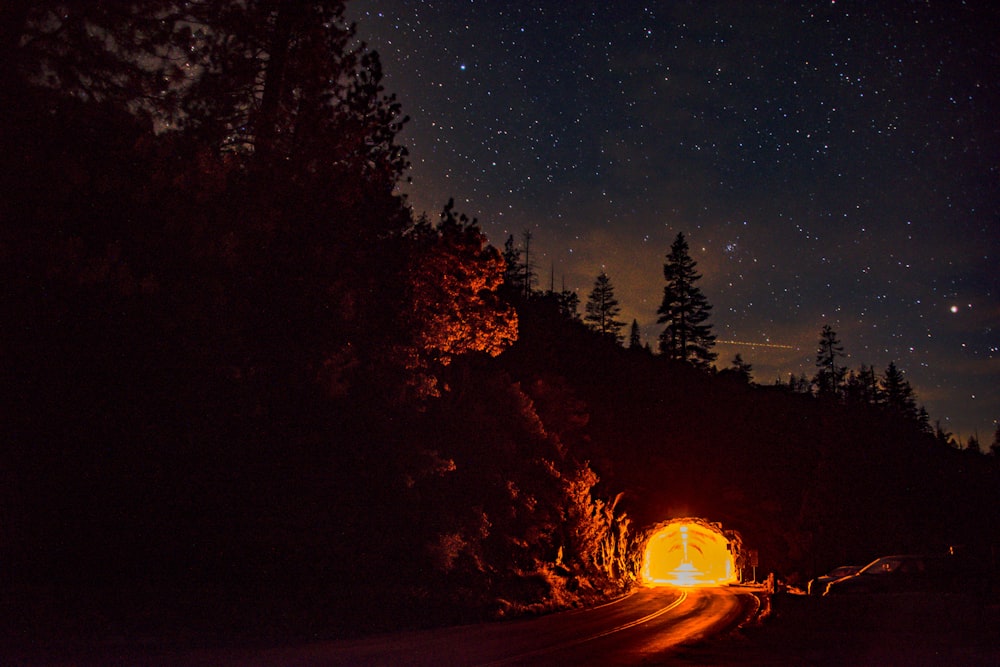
[(829, 162)]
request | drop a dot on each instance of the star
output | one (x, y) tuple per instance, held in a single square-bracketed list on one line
[(854, 148)]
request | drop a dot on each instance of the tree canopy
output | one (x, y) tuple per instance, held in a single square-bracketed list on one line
[(219, 289)]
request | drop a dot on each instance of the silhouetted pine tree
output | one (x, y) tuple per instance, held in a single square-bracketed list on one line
[(602, 308), (685, 310), (287, 81), (924, 419), (943, 436), (528, 275), (519, 272), (512, 266), (830, 376), (111, 52), (862, 388), (569, 303), (741, 369), (634, 341), (898, 394)]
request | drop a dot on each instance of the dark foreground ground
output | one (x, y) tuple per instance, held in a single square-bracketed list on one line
[(884, 631), (905, 629)]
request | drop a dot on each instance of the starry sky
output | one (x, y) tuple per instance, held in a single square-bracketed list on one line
[(829, 163)]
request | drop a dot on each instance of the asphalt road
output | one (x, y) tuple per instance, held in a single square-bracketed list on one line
[(641, 628)]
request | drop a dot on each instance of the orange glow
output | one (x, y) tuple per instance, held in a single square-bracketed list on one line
[(688, 552)]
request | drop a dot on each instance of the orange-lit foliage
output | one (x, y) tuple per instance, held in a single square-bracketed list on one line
[(688, 552), (453, 305), (455, 285)]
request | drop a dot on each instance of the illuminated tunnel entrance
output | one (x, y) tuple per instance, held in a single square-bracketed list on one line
[(689, 552)]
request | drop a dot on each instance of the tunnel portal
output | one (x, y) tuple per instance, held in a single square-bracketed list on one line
[(688, 552)]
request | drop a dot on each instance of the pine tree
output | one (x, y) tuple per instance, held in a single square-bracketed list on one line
[(899, 397), (512, 265), (288, 85), (924, 419), (943, 436), (602, 308), (112, 52), (519, 272), (862, 387), (741, 369), (853, 390), (830, 376), (528, 275), (569, 303), (634, 341), (687, 336), (995, 445)]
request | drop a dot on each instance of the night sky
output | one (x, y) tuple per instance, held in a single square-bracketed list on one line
[(829, 162)]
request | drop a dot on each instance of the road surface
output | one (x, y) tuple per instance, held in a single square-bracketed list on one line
[(640, 628)]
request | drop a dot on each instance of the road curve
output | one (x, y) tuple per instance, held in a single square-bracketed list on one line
[(641, 627)]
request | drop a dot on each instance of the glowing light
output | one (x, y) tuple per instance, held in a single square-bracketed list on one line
[(954, 309), (688, 552)]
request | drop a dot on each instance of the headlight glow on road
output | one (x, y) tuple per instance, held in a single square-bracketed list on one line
[(688, 552)]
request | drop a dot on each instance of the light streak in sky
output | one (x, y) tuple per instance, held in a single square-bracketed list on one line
[(750, 344)]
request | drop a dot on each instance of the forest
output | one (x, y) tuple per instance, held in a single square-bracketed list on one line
[(248, 390)]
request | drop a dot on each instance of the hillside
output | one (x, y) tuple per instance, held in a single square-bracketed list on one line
[(809, 483)]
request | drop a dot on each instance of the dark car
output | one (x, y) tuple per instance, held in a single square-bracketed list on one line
[(818, 585), (902, 574)]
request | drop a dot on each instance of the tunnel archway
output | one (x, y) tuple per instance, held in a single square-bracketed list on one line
[(688, 552)]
